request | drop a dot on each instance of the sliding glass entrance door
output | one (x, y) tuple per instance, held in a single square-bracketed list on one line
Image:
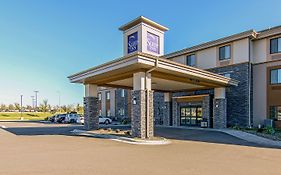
[(191, 116)]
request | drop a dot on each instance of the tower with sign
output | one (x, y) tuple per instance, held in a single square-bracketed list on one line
[(143, 35)]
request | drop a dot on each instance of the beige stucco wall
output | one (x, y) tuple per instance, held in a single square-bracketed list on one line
[(259, 93), (259, 51), (241, 51), (206, 59), (180, 59)]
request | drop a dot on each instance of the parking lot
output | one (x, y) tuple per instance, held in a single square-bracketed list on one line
[(44, 148)]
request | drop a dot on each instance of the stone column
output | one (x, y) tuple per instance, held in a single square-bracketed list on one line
[(91, 112), (142, 108), (167, 109), (175, 112), (219, 107), (206, 109)]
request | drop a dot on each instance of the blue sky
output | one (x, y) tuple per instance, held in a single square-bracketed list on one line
[(44, 41)]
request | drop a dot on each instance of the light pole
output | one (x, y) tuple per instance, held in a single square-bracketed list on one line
[(32, 101), (21, 107), (36, 92)]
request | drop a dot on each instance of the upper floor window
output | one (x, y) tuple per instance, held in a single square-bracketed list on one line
[(275, 76), (275, 45), (224, 52), (108, 95), (99, 95), (191, 60)]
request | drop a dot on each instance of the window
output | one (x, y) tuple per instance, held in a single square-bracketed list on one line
[(227, 75), (275, 76), (108, 114), (121, 111), (224, 53), (275, 45), (99, 112), (99, 95), (275, 112), (108, 95), (191, 60), (122, 93)]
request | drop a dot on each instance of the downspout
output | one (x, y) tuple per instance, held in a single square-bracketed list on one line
[(147, 96)]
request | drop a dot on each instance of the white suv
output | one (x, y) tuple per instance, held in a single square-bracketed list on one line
[(102, 120), (72, 118)]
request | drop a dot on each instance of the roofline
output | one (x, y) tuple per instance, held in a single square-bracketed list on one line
[(143, 19), (75, 78), (249, 33), (269, 32)]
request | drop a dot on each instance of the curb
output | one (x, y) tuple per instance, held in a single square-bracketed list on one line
[(122, 139)]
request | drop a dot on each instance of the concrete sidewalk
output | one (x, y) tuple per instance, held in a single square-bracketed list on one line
[(236, 133)]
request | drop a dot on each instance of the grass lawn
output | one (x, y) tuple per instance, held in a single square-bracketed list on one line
[(25, 115)]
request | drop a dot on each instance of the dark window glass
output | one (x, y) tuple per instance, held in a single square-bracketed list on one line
[(275, 45), (275, 76), (275, 112), (224, 53), (191, 60)]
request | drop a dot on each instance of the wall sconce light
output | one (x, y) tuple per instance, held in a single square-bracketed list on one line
[(134, 100)]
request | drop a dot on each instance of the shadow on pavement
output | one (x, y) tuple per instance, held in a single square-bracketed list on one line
[(169, 133)]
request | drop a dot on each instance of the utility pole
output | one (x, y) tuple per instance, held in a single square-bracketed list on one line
[(21, 107), (36, 92)]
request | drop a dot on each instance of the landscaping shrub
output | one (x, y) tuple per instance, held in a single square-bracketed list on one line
[(269, 130)]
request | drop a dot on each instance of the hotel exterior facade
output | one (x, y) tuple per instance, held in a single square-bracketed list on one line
[(231, 81)]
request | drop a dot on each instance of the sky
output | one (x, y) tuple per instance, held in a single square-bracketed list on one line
[(44, 41)]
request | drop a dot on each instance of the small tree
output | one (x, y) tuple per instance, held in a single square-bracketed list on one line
[(3, 107), (11, 107), (17, 106), (44, 106)]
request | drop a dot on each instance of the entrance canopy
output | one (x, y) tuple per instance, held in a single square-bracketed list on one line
[(166, 75)]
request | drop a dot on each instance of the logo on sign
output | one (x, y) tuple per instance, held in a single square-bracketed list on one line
[(152, 43), (133, 42)]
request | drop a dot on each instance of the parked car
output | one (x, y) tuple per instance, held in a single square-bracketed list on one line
[(52, 118), (102, 120), (72, 118), (105, 120), (60, 118)]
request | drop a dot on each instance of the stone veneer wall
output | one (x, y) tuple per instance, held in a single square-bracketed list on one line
[(238, 98), (206, 113), (219, 113), (138, 123), (121, 102), (159, 107), (91, 113)]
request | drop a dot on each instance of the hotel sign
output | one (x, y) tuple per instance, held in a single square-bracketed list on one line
[(133, 42), (152, 43)]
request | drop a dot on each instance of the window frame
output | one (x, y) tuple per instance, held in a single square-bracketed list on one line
[(190, 56), (270, 45), (270, 76), (108, 95), (224, 58)]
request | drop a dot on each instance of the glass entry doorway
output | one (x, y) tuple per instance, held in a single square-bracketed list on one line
[(191, 116)]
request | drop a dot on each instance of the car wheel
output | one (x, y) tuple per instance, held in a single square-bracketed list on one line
[(106, 122)]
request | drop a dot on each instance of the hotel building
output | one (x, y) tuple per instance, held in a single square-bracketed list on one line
[(231, 81)]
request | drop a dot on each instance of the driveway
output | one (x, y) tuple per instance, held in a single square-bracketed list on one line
[(42, 148), (189, 134)]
